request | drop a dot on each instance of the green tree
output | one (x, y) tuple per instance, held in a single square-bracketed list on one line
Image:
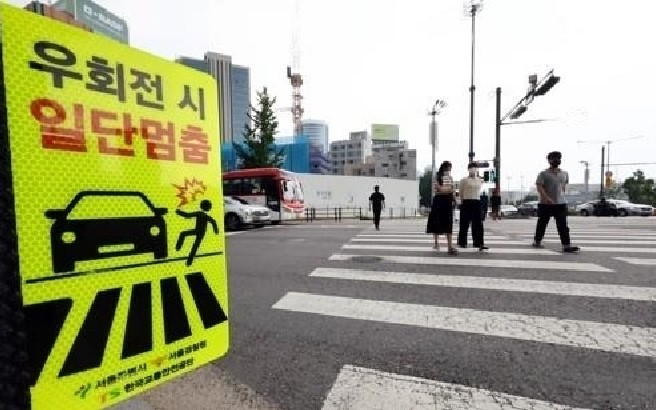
[(425, 191), (640, 189), (258, 150)]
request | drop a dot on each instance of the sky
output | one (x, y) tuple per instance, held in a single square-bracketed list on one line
[(386, 61)]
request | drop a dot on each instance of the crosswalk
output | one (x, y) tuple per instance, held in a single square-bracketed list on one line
[(403, 255)]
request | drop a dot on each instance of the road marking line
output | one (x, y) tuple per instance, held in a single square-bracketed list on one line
[(574, 236), (608, 337), (481, 262), (481, 282), (418, 235), (467, 250), (616, 250), (429, 239), (604, 242), (637, 261), (361, 388)]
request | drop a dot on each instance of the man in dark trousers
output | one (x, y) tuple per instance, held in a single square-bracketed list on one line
[(377, 204), (551, 185), (470, 209)]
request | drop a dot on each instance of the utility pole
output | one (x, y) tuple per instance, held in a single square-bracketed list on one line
[(602, 188), (472, 7), (497, 153), (434, 112)]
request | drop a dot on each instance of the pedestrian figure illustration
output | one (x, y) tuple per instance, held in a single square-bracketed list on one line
[(551, 185), (202, 219), (440, 219), (470, 210), (377, 204)]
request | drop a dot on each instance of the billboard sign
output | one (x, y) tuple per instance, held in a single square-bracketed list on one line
[(113, 178), (96, 17), (385, 132)]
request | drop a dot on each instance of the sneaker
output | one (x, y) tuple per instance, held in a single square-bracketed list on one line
[(537, 245), (571, 249), (453, 251), (483, 248)]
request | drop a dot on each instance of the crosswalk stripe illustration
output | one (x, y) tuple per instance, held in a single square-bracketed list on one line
[(483, 262), (427, 249), (361, 388), (481, 282), (89, 346), (139, 326), (637, 261), (41, 339), (209, 308), (574, 333), (176, 323)]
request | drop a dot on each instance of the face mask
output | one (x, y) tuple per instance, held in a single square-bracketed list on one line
[(555, 162)]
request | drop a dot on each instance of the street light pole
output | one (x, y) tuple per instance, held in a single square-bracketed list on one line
[(434, 112), (472, 7)]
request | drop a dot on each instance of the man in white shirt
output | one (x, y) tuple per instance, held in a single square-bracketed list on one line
[(470, 209)]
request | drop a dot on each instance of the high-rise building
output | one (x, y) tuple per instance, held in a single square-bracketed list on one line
[(234, 100), (317, 133), (353, 151), (220, 67), (55, 14), (395, 160), (241, 101), (97, 18)]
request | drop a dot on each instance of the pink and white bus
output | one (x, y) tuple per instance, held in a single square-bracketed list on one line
[(279, 190)]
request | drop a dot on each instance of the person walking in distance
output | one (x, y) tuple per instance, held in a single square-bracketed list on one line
[(551, 185), (440, 218), (495, 204), (377, 204), (470, 209), (485, 201)]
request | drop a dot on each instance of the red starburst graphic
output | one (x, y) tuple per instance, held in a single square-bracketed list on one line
[(190, 191)]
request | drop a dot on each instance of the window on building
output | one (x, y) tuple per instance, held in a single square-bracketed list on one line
[(384, 165)]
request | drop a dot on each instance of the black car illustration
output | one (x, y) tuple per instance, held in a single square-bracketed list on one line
[(104, 224)]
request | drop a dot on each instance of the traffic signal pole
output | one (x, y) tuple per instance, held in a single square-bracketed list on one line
[(537, 88)]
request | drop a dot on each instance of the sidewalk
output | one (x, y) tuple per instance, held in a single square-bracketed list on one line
[(208, 388)]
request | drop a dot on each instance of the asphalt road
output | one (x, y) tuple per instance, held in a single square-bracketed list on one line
[(358, 327)]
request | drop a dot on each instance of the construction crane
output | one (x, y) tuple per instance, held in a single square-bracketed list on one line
[(294, 74)]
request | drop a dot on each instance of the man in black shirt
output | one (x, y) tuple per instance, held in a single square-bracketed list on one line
[(377, 203)]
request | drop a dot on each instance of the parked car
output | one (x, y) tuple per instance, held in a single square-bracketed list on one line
[(239, 213), (508, 211), (618, 206), (528, 208)]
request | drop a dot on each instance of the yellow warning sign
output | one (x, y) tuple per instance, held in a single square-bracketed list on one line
[(119, 212)]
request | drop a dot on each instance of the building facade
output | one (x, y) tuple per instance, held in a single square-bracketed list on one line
[(234, 101), (97, 18), (353, 151), (241, 101), (317, 133), (220, 67)]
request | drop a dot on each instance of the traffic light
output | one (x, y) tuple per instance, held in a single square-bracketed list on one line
[(609, 182), (547, 85), (488, 176), (518, 112)]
